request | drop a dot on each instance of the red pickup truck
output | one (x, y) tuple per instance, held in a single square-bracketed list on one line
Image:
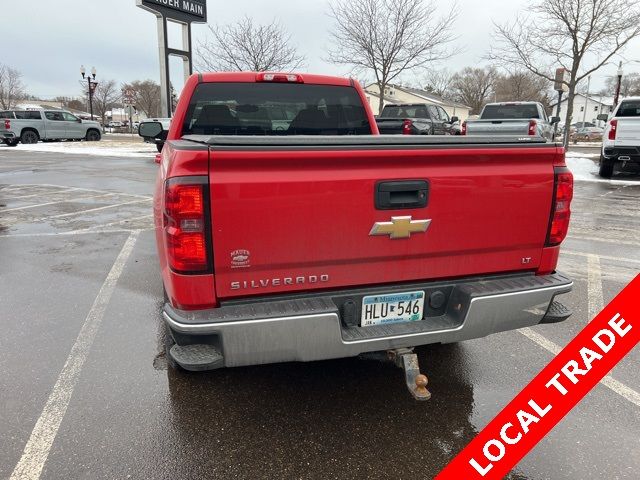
[(288, 229)]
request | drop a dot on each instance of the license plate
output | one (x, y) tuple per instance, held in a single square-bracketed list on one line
[(392, 308)]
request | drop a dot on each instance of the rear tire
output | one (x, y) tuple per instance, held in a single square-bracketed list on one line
[(29, 137), (93, 136), (11, 143), (606, 167)]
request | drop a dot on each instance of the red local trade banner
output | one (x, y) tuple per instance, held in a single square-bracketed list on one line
[(553, 392)]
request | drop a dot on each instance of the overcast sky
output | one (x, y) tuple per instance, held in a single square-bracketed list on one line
[(49, 44)]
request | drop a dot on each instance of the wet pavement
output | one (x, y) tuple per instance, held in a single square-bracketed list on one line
[(81, 296)]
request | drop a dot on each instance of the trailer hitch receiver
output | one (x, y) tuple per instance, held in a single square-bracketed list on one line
[(416, 382)]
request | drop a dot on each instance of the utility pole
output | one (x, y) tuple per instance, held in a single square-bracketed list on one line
[(620, 73), (586, 101)]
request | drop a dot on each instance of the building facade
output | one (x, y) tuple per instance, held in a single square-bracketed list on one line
[(586, 108), (395, 94)]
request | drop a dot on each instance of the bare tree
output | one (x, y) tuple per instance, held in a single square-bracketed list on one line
[(630, 85), (523, 85), (439, 82), (474, 86), (147, 96), (389, 37), (11, 87), (75, 104), (247, 46), (104, 98), (579, 35)]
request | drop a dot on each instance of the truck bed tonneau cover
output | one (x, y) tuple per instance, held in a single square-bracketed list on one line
[(363, 141)]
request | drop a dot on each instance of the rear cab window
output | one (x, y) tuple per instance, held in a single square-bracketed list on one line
[(405, 111), (29, 115), (629, 108), (236, 108), (499, 112), (6, 114)]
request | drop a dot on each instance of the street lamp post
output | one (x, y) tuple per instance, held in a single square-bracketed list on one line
[(91, 83), (620, 73)]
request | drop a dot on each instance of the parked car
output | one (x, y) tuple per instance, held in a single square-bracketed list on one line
[(155, 130), (416, 119), (587, 134), (326, 240), (574, 127), (512, 118), (30, 126), (581, 125), (115, 125), (621, 140)]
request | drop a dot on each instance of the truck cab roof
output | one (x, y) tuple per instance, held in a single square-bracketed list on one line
[(255, 77)]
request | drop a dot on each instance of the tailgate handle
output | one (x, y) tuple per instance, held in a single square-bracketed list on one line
[(399, 194)]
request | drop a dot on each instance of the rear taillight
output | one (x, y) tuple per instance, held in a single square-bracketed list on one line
[(561, 208), (613, 129), (185, 224), (533, 128), (463, 128), (406, 127), (7, 124), (279, 77)]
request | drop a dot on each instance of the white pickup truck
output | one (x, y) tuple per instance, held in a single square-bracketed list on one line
[(512, 118), (621, 139), (30, 126)]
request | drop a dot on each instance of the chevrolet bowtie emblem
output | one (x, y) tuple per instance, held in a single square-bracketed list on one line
[(400, 227)]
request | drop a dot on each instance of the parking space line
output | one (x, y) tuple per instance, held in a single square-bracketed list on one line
[(605, 240), (71, 232), (67, 200), (80, 212), (16, 188), (94, 190), (22, 197), (594, 285), (149, 215), (608, 381), (602, 257), (77, 188), (46, 428)]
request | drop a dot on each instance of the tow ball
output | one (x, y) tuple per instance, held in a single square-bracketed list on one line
[(406, 359)]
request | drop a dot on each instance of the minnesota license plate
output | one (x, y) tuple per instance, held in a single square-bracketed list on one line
[(392, 308)]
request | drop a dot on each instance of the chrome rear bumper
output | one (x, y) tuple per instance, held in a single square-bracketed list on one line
[(312, 328)]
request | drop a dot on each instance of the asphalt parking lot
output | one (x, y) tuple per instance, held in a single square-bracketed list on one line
[(85, 391)]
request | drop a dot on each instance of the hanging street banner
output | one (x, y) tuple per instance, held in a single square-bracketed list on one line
[(185, 11), (553, 393)]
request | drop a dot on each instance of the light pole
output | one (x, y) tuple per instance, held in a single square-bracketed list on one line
[(92, 85), (586, 102), (620, 73)]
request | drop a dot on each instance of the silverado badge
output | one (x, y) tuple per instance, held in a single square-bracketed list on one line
[(400, 227)]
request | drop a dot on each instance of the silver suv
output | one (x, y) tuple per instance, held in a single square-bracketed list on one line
[(30, 126)]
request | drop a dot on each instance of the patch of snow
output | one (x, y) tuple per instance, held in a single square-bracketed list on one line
[(587, 144), (105, 149), (586, 170), (582, 155)]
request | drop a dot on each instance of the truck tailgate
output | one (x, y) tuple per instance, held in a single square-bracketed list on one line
[(389, 125), (628, 134), (299, 218), (498, 127)]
